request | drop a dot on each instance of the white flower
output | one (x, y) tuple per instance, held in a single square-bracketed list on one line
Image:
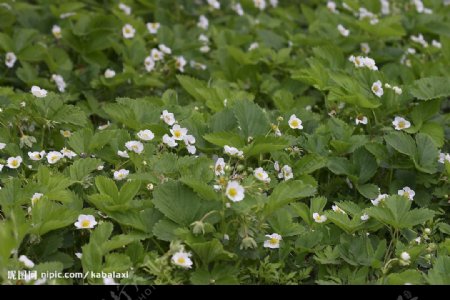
[(365, 48), (85, 222), (385, 7), (260, 4), (128, 31), (219, 168), (168, 117), (405, 256), (169, 141), (444, 157), (418, 240), (182, 259), (400, 123), (337, 209), (238, 9), (26, 261), (121, 174), (178, 132), (135, 146), (65, 133), (68, 153), (232, 151), (149, 64), (361, 120), (38, 92), (295, 123), (109, 281), (436, 44), (420, 40), (2, 146), (262, 175), (146, 135), (203, 22), (365, 217), (165, 49), (343, 31), (103, 127), (253, 46), (56, 31), (407, 192), (397, 90), (273, 242), (235, 191), (60, 83), (10, 59), (1, 168), (14, 162), (274, 3), (377, 88), (153, 27), (125, 8), (156, 55), (379, 199), (203, 38), (54, 156), (214, 4), (78, 255), (331, 5), (319, 218), (197, 65), (276, 166), (123, 154), (205, 49), (191, 149), (109, 73), (36, 155), (35, 198), (180, 62), (286, 173), (189, 139)]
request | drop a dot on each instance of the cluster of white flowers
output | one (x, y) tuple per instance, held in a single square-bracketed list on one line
[(178, 134), (363, 61), (420, 40), (205, 41), (285, 172), (420, 8), (365, 14), (395, 88), (232, 151), (401, 123)]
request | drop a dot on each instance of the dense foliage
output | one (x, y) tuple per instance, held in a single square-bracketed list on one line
[(225, 142)]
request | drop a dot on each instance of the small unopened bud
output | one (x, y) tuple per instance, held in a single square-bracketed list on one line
[(248, 243), (198, 227), (280, 119), (150, 186), (240, 168)]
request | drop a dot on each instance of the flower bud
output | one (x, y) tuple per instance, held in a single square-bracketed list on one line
[(198, 227), (248, 242)]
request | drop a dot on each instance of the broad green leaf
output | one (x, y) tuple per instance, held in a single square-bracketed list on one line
[(430, 88), (251, 118)]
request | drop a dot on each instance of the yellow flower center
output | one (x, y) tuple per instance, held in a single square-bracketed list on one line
[(219, 168), (14, 163), (181, 260), (85, 223), (401, 124), (375, 88), (406, 194), (273, 241), (232, 192), (127, 30), (260, 175), (177, 133)]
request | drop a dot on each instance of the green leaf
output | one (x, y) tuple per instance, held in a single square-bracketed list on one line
[(129, 191), (107, 186), (309, 163), (440, 273), (180, 204), (211, 251), (287, 192), (401, 142), (430, 88), (426, 154), (225, 138), (265, 144), (83, 167), (251, 118)]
